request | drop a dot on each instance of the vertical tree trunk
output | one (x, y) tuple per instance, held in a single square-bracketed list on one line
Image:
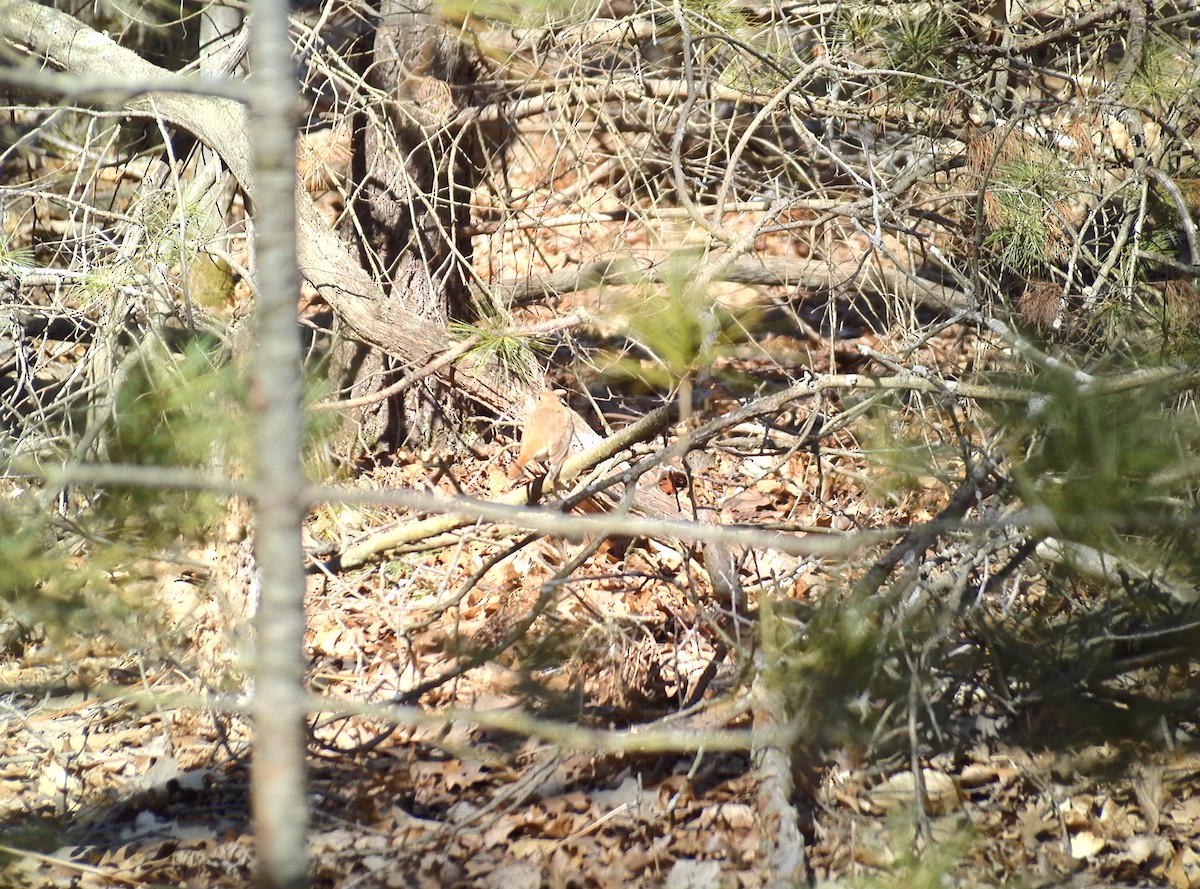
[(278, 798), (418, 175), (414, 173)]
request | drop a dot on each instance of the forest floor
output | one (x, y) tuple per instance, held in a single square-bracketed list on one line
[(118, 767), (116, 772)]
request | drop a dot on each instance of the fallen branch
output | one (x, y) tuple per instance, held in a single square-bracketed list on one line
[(765, 271)]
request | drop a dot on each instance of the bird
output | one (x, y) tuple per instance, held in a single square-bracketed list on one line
[(546, 436)]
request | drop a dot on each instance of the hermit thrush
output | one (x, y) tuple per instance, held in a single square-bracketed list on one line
[(546, 436)]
